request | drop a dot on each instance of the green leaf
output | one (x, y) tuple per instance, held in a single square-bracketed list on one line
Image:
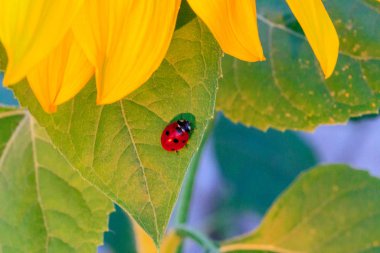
[(117, 147), (45, 205), (256, 166), (330, 209), (288, 90)]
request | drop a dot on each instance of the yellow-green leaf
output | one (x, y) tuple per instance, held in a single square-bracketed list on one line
[(45, 204), (117, 147), (330, 209)]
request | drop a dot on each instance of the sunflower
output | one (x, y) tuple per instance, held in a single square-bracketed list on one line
[(59, 45)]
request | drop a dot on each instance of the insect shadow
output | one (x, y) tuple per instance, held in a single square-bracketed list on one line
[(189, 117)]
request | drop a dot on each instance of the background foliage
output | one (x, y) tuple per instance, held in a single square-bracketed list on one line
[(288, 90)]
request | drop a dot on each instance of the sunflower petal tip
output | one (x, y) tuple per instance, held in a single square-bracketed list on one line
[(6, 81), (99, 101), (319, 31), (105, 101), (254, 58), (50, 108), (10, 78), (328, 70), (234, 26), (327, 73)]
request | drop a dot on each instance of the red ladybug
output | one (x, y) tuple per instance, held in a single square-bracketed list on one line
[(176, 135)]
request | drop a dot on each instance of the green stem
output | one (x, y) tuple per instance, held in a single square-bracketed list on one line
[(197, 237), (188, 185), (187, 191)]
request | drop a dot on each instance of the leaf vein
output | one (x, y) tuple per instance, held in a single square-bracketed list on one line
[(142, 168)]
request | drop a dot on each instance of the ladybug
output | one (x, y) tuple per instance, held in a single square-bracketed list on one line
[(176, 135)]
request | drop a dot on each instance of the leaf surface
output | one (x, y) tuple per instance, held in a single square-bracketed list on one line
[(330, 209), (45, 205), (288, 90), (117, 147)]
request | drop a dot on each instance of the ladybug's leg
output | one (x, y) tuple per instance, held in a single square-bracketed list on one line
[(177, 152)]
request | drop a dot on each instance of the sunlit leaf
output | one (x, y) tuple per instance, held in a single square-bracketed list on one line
[(45, 204), (330, 209), (117, 147)]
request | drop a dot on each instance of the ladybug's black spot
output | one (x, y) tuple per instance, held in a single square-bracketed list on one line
[(167, 133), (175, 140), (183, 141), (172, 149)]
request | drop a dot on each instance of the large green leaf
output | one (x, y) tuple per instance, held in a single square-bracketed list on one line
[(288, 90), (117, 147), (256, 166), (45, 205), (330, 209)]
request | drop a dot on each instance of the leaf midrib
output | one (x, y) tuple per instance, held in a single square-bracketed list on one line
[(142, 169), (37, 181), (10, 142)]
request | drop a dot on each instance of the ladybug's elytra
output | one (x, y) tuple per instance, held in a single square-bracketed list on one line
[(176, 135)]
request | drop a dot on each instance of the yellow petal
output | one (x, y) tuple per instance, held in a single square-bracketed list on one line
[(319, 31), (233, 24), (125, 40), (60, 75), (145, 244), (30, 29), (170, 243)]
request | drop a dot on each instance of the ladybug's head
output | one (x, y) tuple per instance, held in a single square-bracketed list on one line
[(184, 125)]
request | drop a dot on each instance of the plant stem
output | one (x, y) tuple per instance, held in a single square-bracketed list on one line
[(187, 192), (188, 185), (201, 239)]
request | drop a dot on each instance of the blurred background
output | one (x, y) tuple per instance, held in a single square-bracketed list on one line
[(242, 171)]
